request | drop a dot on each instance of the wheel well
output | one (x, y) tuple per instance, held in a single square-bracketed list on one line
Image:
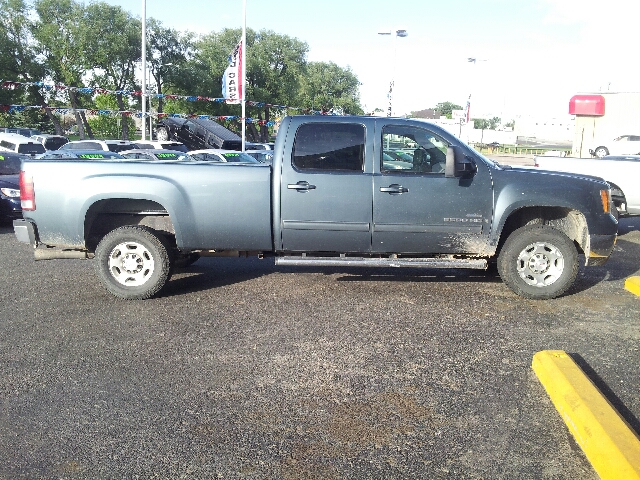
[(107, 215), (570, 222)]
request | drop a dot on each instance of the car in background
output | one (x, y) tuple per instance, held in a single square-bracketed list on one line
[(197, 133), (79, 154), (50, 142), (25, 132), (622, 145), (162, 145), (10, 208), (259, 146), (13, 142), (225, 156), (104, 145), (263, 156), (156, 154)]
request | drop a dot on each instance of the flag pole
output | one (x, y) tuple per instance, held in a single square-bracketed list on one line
[(144, 69), (243, 62)]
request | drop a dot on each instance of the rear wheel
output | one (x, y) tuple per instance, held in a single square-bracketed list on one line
[(538, 262), (601, 152), (133, 262)]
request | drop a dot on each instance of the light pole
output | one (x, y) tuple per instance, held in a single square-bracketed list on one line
[(398, 33)]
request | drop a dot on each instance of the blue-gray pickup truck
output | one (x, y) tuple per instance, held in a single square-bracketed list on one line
[(342, 191)]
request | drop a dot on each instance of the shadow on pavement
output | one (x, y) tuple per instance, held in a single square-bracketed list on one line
[(629, 417)]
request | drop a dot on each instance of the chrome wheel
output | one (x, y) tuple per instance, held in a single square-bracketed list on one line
[(131, 264), (540, 264)]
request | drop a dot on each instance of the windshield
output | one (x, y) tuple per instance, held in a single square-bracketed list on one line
[(10, 165)]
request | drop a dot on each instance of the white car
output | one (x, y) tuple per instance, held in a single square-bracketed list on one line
[(622, 145), (164, 145), (218, 155), (106, 145), (263, 156)]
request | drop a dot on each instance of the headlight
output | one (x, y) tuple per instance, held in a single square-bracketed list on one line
[(10, 192)]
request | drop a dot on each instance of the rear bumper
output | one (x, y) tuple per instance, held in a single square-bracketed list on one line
[(600, 247), (25, 231)]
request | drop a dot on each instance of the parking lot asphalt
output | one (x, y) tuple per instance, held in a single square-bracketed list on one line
[(246, 370)]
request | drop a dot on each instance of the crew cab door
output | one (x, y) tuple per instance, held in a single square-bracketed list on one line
[(416, 209), (326, 195)]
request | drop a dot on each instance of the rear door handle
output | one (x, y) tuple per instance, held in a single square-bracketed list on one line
[(301, 186), (394, 189)]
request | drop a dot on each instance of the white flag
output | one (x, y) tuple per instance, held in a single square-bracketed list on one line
[(232, 87)]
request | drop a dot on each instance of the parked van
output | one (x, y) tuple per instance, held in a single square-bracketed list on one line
[(12, 142)]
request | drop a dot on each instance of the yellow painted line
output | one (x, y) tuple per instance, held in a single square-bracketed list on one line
[(609, 443), (633, 285)]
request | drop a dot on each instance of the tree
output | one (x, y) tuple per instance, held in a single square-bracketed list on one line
[(107, 126), (331, 88), (116, 46), (168, 51), (446, 108), (59, 32), (275, 63)]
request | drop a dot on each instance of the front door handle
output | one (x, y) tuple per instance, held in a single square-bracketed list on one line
[(301, 186), (394, 189)]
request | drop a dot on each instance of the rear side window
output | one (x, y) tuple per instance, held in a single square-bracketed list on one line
[(54, 143), (31, 148), (179, 147), (115, 147), (329, 147)]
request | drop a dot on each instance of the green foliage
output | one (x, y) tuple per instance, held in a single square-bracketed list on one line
[(80, 44), (484, 124), (331, 88), (107, 126), (445, 108)]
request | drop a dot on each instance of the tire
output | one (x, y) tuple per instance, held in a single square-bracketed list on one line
[(162, 134), (601, 152), (133, 262), (538, 262)]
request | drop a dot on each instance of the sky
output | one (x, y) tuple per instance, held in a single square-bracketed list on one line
[(532, 56)]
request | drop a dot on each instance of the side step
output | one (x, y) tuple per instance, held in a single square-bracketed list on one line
[(343, 261)]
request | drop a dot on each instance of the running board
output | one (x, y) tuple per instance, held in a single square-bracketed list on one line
[(474, 263)]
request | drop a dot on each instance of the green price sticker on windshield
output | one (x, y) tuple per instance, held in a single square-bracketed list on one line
[(167, 155), (1, 157), (91, 155), (231, 154)]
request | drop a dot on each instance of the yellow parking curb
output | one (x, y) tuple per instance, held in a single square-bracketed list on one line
[(609, 443), (633, 285)]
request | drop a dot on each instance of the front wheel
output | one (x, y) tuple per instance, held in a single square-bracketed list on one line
[(133, 262), (538, 262)]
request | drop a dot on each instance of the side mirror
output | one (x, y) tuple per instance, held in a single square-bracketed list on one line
[(458, 164)]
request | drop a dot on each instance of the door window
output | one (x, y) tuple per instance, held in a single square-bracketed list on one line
[(408, 149), (329, 147)]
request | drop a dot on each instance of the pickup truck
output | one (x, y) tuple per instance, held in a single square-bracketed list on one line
[(332, 197), (622, 173)]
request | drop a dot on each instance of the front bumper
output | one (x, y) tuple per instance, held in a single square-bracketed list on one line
[(600, 247)]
